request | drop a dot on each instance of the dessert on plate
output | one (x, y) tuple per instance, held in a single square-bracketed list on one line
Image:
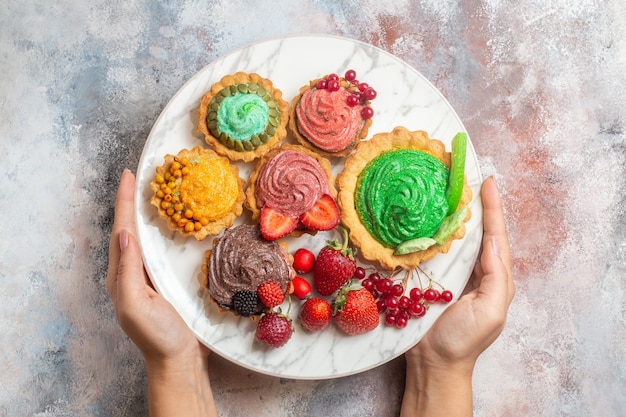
[(402, 197), (198, 192), (239, 261), (331, 115), (292, 191), (243, 116)]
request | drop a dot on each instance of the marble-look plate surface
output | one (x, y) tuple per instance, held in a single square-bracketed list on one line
[(405, 98)]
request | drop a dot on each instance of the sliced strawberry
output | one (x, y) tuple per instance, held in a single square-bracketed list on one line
[(324, 215), (274, 225)]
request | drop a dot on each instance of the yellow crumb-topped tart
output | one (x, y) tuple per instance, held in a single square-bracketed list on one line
[(198, 192), (401, 200), (243, 116)]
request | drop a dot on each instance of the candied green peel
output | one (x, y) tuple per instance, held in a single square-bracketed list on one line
[(243, 116), (455, 216)]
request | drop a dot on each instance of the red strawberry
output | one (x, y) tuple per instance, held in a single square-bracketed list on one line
[(300, 287), (355, 310), (324, 215), (270, 293), (274, 329), (274, 225), (334, 266), (315, 314)]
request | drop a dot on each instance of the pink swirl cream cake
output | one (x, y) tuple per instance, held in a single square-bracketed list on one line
[(331, 115), (239, 261), (292, 191)]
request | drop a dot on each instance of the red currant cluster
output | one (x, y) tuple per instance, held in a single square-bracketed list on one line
[(398, 307), (361, 91)]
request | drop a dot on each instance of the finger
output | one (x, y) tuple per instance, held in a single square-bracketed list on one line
[(131, 276), (124, 219), (495, 234), (495, 257)]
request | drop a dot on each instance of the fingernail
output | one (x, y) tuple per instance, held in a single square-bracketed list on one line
[(123, 240), (496, 246), (124, 171)]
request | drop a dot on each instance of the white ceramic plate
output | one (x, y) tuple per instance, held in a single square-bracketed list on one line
[(404, 98)]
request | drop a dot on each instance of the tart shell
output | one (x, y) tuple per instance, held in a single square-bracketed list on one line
[(370, 248)]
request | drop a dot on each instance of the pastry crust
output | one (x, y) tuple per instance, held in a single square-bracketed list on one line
[(215, 226), (293, 125), (251, 202), (231, 80), (370, 248)]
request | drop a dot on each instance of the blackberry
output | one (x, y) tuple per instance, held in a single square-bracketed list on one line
[(245, 303)]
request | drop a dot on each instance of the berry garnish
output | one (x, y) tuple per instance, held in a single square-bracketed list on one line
[(446, 296), (245, 303), (367, 113), (353, 100), (274, 225), (334, 266), (322, 84), (359, 272), (350, 75), (315, 314), (303, 261), (324, 215), (370, 93), (274, 329), (333, 85), (300, 287), (270, 293), (397, 304)]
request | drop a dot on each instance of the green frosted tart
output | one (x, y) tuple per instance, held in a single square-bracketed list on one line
[(393, 194), (401, 195), (243, 116)]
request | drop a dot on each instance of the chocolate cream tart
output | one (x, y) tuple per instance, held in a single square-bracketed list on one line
[(239, 261)]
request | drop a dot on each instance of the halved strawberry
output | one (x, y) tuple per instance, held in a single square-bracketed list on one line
[(274, 225), (324, 215)]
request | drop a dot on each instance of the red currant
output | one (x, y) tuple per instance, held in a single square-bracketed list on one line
[(390, 319), (352, 100), (370, 93), (384, 285), (431, 295), (375, 294), (374, 276), (397, 290), (332, 85), (369, 284), (359, 272), (332, 76), (367, 113), (405, 302), (401, 322), (363, 87), (446, 296), (381, 305), (415, 294), (322, 84), (417, 309), (392, 303), (350, 75)]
